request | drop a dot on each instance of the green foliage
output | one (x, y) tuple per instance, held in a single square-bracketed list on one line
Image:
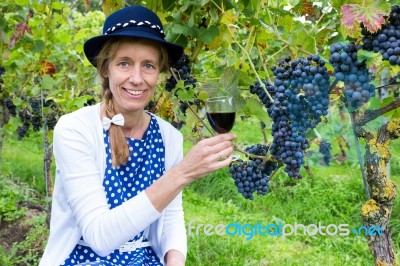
[(20, 153), (9, 200), (28, 251), (16, 191)]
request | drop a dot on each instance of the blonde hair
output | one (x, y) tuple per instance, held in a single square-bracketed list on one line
[(119, 146)]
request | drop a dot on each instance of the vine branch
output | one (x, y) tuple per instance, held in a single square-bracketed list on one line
[(252, 66), (372, 115)]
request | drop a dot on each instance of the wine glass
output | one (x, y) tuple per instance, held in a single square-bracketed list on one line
[(221, 113)]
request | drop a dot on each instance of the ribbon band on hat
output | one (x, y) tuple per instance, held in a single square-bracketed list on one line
[(117, 119), (135, 23)]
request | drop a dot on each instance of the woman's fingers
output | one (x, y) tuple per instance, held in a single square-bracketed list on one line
[(219, 145), (225, 153), (218, 138), (208, 155)]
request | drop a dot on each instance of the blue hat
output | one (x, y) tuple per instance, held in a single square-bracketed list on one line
[(133, 21)]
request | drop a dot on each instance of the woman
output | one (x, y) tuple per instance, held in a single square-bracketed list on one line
[(120, 170)]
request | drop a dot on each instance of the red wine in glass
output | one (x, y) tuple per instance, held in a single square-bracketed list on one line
[(221, 122), (221, 113)]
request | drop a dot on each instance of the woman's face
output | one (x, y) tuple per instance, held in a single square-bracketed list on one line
[(133, 73)]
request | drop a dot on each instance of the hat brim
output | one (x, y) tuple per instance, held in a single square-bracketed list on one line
[(93, 46)]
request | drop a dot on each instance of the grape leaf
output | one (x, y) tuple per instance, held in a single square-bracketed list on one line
[(79, 102), (228, 17), (47, 82), (286, 22), (57, 5), (370, 16), (110, 6), (185, 95), (208, 35), (255, 108), (305, 7)]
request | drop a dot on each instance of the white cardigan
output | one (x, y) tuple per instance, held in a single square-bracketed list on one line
[(79, 205)]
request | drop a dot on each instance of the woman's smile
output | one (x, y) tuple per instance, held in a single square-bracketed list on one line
[(134, 92)]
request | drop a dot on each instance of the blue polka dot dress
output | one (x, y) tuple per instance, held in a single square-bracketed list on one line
[(145, 165)]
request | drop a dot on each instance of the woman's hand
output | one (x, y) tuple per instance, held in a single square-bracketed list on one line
[(174, 258), (207, 156)]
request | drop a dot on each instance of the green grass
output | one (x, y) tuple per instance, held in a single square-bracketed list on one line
[(24, 160), (332, 198), (328, 195)]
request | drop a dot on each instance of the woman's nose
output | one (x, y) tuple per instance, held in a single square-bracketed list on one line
[(135, 76)]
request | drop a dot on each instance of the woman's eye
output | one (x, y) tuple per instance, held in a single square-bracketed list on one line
[(149, 66), (123, 64)]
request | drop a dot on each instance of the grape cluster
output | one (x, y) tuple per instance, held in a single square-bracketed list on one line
[(31, 114), (386, 41), (12, 109), (325, 150), (36, 116), (300, 100), (253, 175), (355, 75), (25, 118), (51, 120), (2, 71), (91, 101), (203, 23), (182, 71), (261, 91)]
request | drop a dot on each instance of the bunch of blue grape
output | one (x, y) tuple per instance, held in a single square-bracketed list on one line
[(182, 71), (354, 73), (386, 40), (261, 91), (300, 99), (253, 175), (25, 118), (203, 23), (51, 120), (12, 109), (325, 149), (36, 115), (31, 114), (2, 72)]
